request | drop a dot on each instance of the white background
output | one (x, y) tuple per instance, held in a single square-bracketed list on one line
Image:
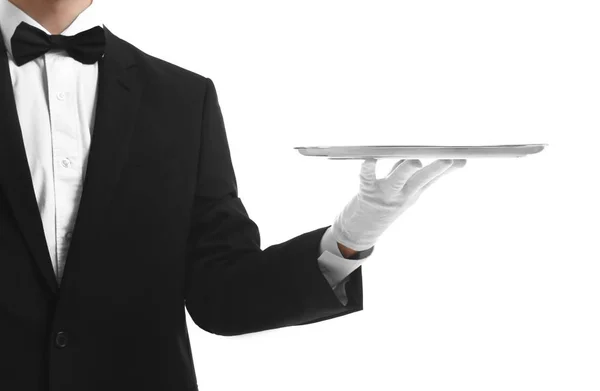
[(491, 281)]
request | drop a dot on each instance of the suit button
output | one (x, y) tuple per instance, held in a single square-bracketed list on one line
[(61, 339)]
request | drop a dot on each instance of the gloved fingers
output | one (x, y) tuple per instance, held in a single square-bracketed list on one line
[(425, 175), (399, 162), (367, 170), (457, 164), (401, 172), (424, 187)]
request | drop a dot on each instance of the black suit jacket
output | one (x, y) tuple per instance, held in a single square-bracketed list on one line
[(160, 228)]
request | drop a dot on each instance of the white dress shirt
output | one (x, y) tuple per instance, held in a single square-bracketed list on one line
[(55, 97)]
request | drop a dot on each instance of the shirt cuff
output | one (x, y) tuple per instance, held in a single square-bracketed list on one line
[(335, 268)]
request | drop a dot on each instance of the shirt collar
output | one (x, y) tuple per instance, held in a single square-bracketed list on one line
[(11, 16)]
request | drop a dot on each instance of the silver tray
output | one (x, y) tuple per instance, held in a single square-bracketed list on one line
[(421, 151)]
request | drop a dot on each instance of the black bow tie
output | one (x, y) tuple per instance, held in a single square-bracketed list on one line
[(29, 42)]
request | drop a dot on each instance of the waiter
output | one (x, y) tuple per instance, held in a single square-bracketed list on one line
[(119, 209)]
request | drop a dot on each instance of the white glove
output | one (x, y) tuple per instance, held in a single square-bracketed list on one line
[(380, 201)]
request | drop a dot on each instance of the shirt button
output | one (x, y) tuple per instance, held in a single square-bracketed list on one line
[(66, 162), (60, 96), (61, 339), (69, 234)]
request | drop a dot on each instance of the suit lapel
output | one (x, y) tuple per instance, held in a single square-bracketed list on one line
[(15, 177), (118, 92)]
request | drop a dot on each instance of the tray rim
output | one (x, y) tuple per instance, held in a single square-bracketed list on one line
[(426, 146)]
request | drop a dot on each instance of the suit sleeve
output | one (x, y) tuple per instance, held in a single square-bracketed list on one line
[(233, 287)]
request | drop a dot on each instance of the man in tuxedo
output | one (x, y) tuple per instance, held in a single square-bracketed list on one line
[(119, 210)]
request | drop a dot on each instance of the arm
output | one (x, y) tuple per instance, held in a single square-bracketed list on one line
[(232, 286)]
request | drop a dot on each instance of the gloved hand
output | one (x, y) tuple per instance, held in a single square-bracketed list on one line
[(379, 202)]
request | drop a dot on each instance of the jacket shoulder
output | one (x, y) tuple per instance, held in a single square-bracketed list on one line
[(158, 69)]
